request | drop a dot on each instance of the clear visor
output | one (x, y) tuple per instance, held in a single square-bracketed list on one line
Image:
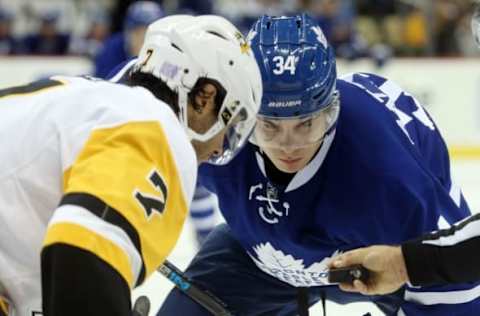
[(236, 134), (298, 132)]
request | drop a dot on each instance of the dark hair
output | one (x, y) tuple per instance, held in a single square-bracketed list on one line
[(163, 92), (156, 86)]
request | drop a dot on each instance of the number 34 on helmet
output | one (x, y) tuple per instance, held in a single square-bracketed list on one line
[(300, 103)]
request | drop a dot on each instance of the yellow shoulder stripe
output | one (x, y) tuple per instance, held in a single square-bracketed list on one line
[(80, 237)]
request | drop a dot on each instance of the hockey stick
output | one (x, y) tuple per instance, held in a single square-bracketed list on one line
[(206, 299), (216, 306)]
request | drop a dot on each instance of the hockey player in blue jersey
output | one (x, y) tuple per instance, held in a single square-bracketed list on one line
[(333, 164)]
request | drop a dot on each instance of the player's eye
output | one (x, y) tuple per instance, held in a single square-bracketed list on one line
[(305, 125), (268, 126)]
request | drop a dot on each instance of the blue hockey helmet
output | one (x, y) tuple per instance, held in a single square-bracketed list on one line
[(300, 104), (142, 13), (297, 65)]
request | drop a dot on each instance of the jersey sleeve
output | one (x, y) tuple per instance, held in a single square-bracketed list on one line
[(448, 256), (424, 138), (432, 149), (445, 256), (123, 208), (457, 299)]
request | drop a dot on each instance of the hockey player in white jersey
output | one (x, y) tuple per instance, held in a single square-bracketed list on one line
[(97, 177), (204, 207)]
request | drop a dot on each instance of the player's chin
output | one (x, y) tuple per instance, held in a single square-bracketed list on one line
[(203, 158), (290, 166)]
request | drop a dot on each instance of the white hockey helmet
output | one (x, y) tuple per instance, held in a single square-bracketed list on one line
[(182, 49)]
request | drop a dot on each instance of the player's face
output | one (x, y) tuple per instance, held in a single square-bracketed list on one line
[(201, 117), (290, 144)]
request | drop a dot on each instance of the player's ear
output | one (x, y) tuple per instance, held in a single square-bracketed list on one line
[(206, 95)]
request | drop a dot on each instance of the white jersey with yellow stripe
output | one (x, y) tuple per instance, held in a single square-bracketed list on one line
[(91, 164)]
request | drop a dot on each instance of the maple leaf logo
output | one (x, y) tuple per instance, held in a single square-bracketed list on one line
[(287, 268)]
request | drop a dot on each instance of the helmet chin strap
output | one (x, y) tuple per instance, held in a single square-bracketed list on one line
[(183, 111)]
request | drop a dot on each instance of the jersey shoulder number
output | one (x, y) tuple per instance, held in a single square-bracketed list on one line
[(391, 96), (151, 203)]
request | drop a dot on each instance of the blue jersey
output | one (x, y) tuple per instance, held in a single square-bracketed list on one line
[(382, 176), (113, 53)]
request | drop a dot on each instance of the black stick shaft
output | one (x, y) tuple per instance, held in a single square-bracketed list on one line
[(206, 299)]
